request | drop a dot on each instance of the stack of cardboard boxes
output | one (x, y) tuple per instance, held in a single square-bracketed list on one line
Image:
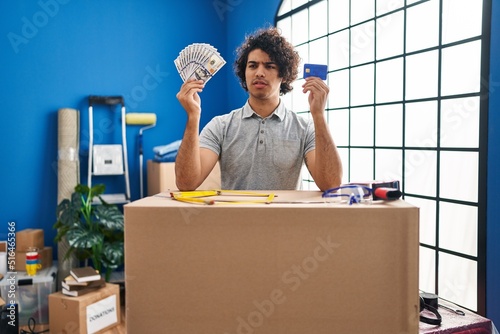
[(29, 240), (30, 290), (94, 312)]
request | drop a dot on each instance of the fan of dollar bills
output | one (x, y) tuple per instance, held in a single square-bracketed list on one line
[(199, 61)]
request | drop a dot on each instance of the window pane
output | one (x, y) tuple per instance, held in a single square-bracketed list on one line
[(389, 125), (300, 23), (298, 3), (299, 100), (389, 80), (287, 100), (318, 51), (344, 157), (286, 6), (422, 26), (390, 30), (458, 228), (339, 126), (427, 270), (362, 126), (420, 172), (388, 165), (458, 280), (422, 75), (363, 43), (421, 124), (285, 26), (318, 20), (361, 167), (303, 51), (307, 180), (459, 175), (362, 10), (459, 117), (339, 50), (461, 68), (384, 6), (362, 85), (339, 89), (427, 215), (339, 14), (461, 19)]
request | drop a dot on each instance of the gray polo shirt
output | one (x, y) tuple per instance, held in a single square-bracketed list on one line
[(258, 153)]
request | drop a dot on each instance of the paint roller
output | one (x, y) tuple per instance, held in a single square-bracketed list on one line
[(149, 120)]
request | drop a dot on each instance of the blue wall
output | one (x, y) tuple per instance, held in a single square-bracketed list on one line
[(66, 50), (57, 52)]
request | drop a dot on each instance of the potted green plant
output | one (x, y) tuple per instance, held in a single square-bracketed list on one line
[(93, 231)]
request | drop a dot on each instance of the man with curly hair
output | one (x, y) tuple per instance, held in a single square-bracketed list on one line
[(262, 145)]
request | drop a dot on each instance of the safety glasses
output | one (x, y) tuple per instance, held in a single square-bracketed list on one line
[(348, 194)]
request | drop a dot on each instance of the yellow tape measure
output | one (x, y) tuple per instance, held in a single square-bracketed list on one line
[(200, 196)]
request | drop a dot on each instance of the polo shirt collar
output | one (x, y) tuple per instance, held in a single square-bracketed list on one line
[(278, 112)]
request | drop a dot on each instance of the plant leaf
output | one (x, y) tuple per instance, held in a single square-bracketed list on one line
[(109, 217), (113, 254), (61, 231), (98, 189), (68, 212), (83, 238), (82, 189)]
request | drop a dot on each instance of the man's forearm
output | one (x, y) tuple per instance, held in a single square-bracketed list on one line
[(187, 162), (328, 165)]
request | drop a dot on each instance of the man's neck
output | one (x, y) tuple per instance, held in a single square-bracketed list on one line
[(263, 108)]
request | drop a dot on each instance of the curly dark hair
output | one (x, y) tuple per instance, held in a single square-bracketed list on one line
[(279, 50)]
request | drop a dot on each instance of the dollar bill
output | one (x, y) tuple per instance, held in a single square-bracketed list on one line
[(199, 61)]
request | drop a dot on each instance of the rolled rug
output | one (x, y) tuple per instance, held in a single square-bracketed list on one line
[(68, 176)]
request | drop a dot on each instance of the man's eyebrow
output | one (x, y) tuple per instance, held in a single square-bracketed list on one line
[(265, 62)]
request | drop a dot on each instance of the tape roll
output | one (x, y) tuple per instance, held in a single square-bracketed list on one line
[(140, 118), (430, 299)]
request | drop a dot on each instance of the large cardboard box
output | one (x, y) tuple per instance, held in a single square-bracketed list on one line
[(29, 238), (161, 177), (93, 312), (293, 268)]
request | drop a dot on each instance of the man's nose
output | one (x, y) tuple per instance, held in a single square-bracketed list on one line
[(260, 71)]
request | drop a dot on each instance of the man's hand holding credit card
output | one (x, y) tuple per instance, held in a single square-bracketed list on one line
[(315, 70)]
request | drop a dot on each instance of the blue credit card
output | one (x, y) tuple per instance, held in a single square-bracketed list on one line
[(315, 70)]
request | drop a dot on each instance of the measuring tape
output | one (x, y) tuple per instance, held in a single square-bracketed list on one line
[(199, 196)]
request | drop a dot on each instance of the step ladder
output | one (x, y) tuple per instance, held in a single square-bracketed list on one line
[(108, 159)]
